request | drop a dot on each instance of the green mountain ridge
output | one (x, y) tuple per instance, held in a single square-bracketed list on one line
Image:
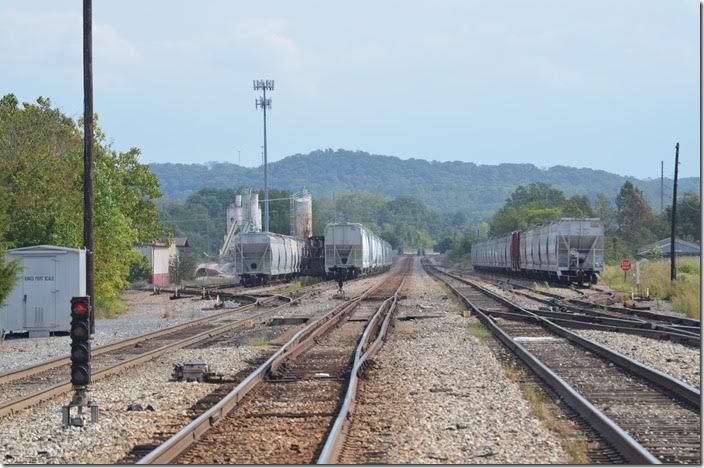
[(479, 190)]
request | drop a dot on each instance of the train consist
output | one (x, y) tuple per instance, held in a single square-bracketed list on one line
[(347, 250), (261, 257), (570, 250), (352, 250)]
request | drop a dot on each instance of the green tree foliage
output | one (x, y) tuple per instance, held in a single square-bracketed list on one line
[(634, 218), (203, 216), (536, 204), (689, 217), (8, 276), (446, 187), (604, 210), (140, 270), (577, 206), (41, 168), (405, 222), (182, 267)]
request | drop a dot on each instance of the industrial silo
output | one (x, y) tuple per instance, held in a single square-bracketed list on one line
[(302, 215), (255, 212), (234, 212)]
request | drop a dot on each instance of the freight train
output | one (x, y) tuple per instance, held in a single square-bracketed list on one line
[(347, 251), (352, 250), (570, 250)]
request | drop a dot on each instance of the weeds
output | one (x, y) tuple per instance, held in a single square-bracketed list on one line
[(302, 282), (109, 308), (573, 442), (477, 330), (655, 277), (257, 341)]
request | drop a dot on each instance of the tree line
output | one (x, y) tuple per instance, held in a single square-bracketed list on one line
[(629, 221), (41, 194), (406, 222)]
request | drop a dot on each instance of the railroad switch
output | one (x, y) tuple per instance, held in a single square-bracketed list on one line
[(195, 371)]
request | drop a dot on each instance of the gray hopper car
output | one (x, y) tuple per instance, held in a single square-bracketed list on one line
[(261, 257), (568, 250), (352, 250)]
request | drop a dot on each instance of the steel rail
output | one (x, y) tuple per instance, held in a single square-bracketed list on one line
[(50, 392), (179, 442), (655, 377), (619, 325), (690, 326), (51, 364), (620, 439), (340, 429)]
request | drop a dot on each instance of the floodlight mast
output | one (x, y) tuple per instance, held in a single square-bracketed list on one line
[(265, 104)]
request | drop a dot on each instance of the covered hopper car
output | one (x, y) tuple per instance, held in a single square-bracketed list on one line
[(568, 250), (261, 257), (352, 250)]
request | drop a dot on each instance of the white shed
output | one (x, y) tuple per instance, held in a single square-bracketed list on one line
[(41, 301)]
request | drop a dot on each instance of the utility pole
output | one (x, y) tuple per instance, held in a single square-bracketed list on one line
[(88, 153), (265, 104), (673, 268), (662, 185)]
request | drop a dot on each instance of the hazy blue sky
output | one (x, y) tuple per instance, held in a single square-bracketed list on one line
[(602, 84)]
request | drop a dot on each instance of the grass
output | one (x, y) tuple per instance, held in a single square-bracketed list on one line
[(109, 308), (257, 341), (457, 304), (573, 442), (684, 293), (302, 282), (477, 330)]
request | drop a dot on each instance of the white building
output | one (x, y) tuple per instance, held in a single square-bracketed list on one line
[(158, 255), (49, 277)]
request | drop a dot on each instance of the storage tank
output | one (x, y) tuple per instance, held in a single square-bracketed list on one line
[(302, 220), (255, 212), (234, 212)]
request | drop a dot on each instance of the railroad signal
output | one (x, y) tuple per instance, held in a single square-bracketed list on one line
[(80, 341), (81, 313)]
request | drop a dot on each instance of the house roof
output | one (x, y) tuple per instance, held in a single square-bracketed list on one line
[(681, 247), (44, 248), (181, 242)]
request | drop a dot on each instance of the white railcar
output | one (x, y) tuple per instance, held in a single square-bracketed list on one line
[(568, 250), (264, 256), (352, 250)]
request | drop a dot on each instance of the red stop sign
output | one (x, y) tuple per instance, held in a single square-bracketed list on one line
[(625, 264)]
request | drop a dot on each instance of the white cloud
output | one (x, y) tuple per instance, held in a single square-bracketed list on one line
[(269, 33), (48, 37)]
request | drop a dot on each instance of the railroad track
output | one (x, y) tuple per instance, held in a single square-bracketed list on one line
[(26, 387), (590, 315), (645, 415), (676, 323), (294, 407)]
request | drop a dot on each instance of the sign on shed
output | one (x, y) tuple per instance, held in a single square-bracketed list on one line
[(49, 277)]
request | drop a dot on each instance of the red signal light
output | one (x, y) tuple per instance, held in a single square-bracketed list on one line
[(80, 307)]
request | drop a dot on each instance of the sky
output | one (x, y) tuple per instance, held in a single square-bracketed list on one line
[(602, 84)]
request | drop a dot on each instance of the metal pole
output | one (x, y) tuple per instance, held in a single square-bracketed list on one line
[(88, 153), (662, 185), (266, 180), (673, 269)]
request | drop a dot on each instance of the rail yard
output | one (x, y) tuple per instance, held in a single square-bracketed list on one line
[(395, 372), (509, 283)]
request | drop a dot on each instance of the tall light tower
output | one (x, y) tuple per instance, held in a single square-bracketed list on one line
[(265, 104)]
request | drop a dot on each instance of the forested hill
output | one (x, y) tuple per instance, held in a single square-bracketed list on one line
[(444, 186)]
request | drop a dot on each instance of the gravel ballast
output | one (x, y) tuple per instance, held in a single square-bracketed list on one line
[(35, 435), (436, 394), (679, 361)]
